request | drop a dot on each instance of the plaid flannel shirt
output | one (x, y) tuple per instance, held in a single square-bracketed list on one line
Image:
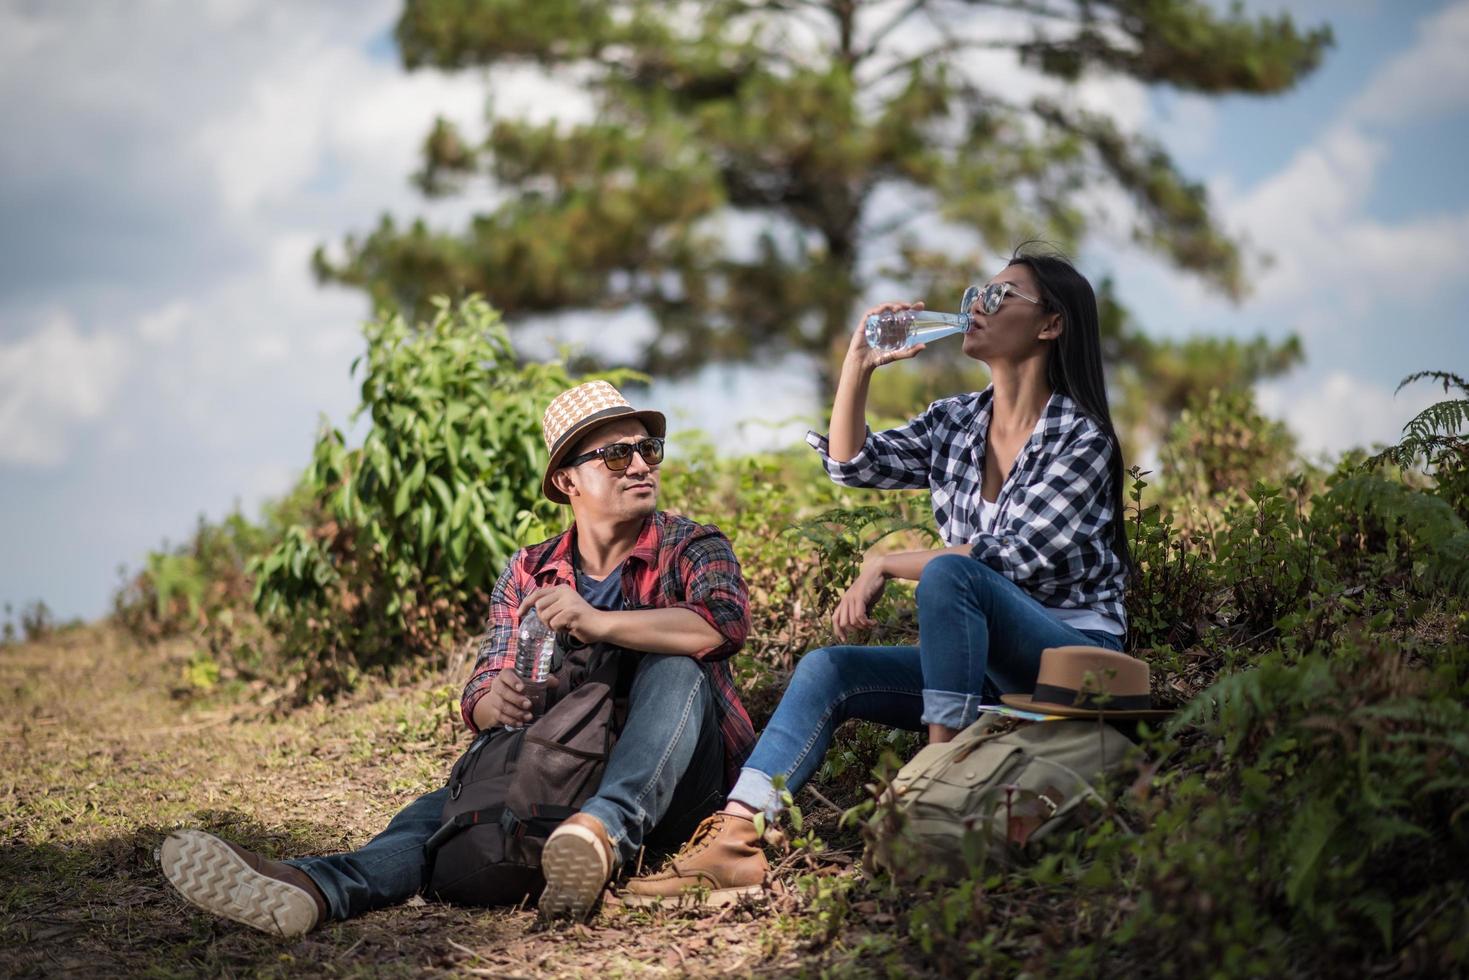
[(1051, 536), (676, 563)]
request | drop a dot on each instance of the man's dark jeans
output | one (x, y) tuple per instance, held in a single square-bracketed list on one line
[(665, 774)]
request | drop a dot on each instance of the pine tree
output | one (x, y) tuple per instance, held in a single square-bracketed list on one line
[(812, 118)]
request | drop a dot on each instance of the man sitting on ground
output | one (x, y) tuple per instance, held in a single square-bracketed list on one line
[(624, 574)]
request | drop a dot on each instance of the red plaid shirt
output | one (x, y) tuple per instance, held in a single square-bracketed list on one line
[(676, 564)]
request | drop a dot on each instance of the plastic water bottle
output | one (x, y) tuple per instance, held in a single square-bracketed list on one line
[(535, 645), (895, 330)]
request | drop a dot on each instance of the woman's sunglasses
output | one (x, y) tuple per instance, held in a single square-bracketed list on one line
[(990, 297), (618, 455)]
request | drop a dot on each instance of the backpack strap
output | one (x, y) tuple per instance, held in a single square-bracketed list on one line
[(543, 819), (459, 823)]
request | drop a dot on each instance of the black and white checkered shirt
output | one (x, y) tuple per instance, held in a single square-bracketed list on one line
[(1051, 536)]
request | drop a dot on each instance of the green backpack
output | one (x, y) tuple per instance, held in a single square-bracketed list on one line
[(988, 794)]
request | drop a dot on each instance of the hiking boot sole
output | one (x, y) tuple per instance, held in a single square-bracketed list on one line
[(209, 874), (576, 869), (694, 898)]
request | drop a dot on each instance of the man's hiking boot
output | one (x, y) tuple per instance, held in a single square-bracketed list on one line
[(577, 863), (720, 864), (227, 880)]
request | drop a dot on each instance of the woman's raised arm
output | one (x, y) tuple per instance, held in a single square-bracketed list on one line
[(849, 408)]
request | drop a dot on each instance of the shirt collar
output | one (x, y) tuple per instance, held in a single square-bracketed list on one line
[(974, 415), (560, 564)]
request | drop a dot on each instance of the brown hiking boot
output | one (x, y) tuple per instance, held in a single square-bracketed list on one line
[(720, 864), (227, 880), (577, 863)]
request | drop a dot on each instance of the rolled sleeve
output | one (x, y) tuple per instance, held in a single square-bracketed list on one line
[(714, 588), (894, 459), (496, 650)]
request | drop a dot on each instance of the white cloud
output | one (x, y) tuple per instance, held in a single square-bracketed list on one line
[(1314, 215), (51, 382), (163, 326), (1427, 80), (1313, 218), (1334, 268), (340, 119), (1343, 411)]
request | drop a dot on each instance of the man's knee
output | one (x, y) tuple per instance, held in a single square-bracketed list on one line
[(669, 677)]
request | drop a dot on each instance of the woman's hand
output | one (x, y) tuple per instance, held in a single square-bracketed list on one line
[(865, 358), (852, 612)]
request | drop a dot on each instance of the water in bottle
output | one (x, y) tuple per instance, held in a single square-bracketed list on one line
[(534, 647), (895, 330)]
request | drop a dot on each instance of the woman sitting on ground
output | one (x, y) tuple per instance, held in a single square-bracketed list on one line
[(1026, 479)]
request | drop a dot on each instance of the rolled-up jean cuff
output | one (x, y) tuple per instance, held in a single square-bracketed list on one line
[(755, 789), (951, 709)]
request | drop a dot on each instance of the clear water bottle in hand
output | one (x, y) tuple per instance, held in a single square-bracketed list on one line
[(894, 330), (535, 645)]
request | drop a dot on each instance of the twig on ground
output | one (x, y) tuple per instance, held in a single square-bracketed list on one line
[(817, 793)]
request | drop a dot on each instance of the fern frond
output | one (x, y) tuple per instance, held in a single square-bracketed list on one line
[(1440, 535), (1446, 378), (1441, 426), (1446, 418)]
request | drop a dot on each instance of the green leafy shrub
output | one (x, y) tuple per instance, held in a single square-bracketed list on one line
[(418, 520), (35, 623), (1311, 823), (1171, 595), (183, 590)]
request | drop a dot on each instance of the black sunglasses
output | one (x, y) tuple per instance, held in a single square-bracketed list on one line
[(618, 455)]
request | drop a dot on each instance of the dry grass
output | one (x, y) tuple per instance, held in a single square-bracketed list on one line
[(102, 760)]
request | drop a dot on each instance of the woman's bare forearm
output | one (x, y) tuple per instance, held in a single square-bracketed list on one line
[(849, 412), (909, 565)]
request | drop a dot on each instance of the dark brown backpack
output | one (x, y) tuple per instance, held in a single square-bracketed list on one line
[(511, 788)]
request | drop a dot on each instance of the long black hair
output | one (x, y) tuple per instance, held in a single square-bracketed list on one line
[(1075, 365)]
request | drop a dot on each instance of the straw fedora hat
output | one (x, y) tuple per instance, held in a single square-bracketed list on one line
[(1089, 682), (572, 414)]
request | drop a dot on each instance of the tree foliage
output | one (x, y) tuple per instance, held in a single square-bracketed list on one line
[(846, 132)]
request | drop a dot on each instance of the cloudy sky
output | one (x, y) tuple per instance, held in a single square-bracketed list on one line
[(169, 167)]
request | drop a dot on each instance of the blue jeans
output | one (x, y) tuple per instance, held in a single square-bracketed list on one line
[(979, 635), (665, 774)]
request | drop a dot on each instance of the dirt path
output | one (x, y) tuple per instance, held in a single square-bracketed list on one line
[(101, 761)]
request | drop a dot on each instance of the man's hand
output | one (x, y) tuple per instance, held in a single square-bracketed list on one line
[(852, 612), (504, 703), (562, 608)]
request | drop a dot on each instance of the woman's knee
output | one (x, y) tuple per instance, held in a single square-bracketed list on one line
[(947, 575), (816, 668)]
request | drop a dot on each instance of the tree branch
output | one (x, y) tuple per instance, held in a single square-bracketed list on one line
[(940, 50), (892, 25)]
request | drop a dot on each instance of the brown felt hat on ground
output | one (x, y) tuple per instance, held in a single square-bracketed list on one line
[(572, 414), (1089, 682)]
